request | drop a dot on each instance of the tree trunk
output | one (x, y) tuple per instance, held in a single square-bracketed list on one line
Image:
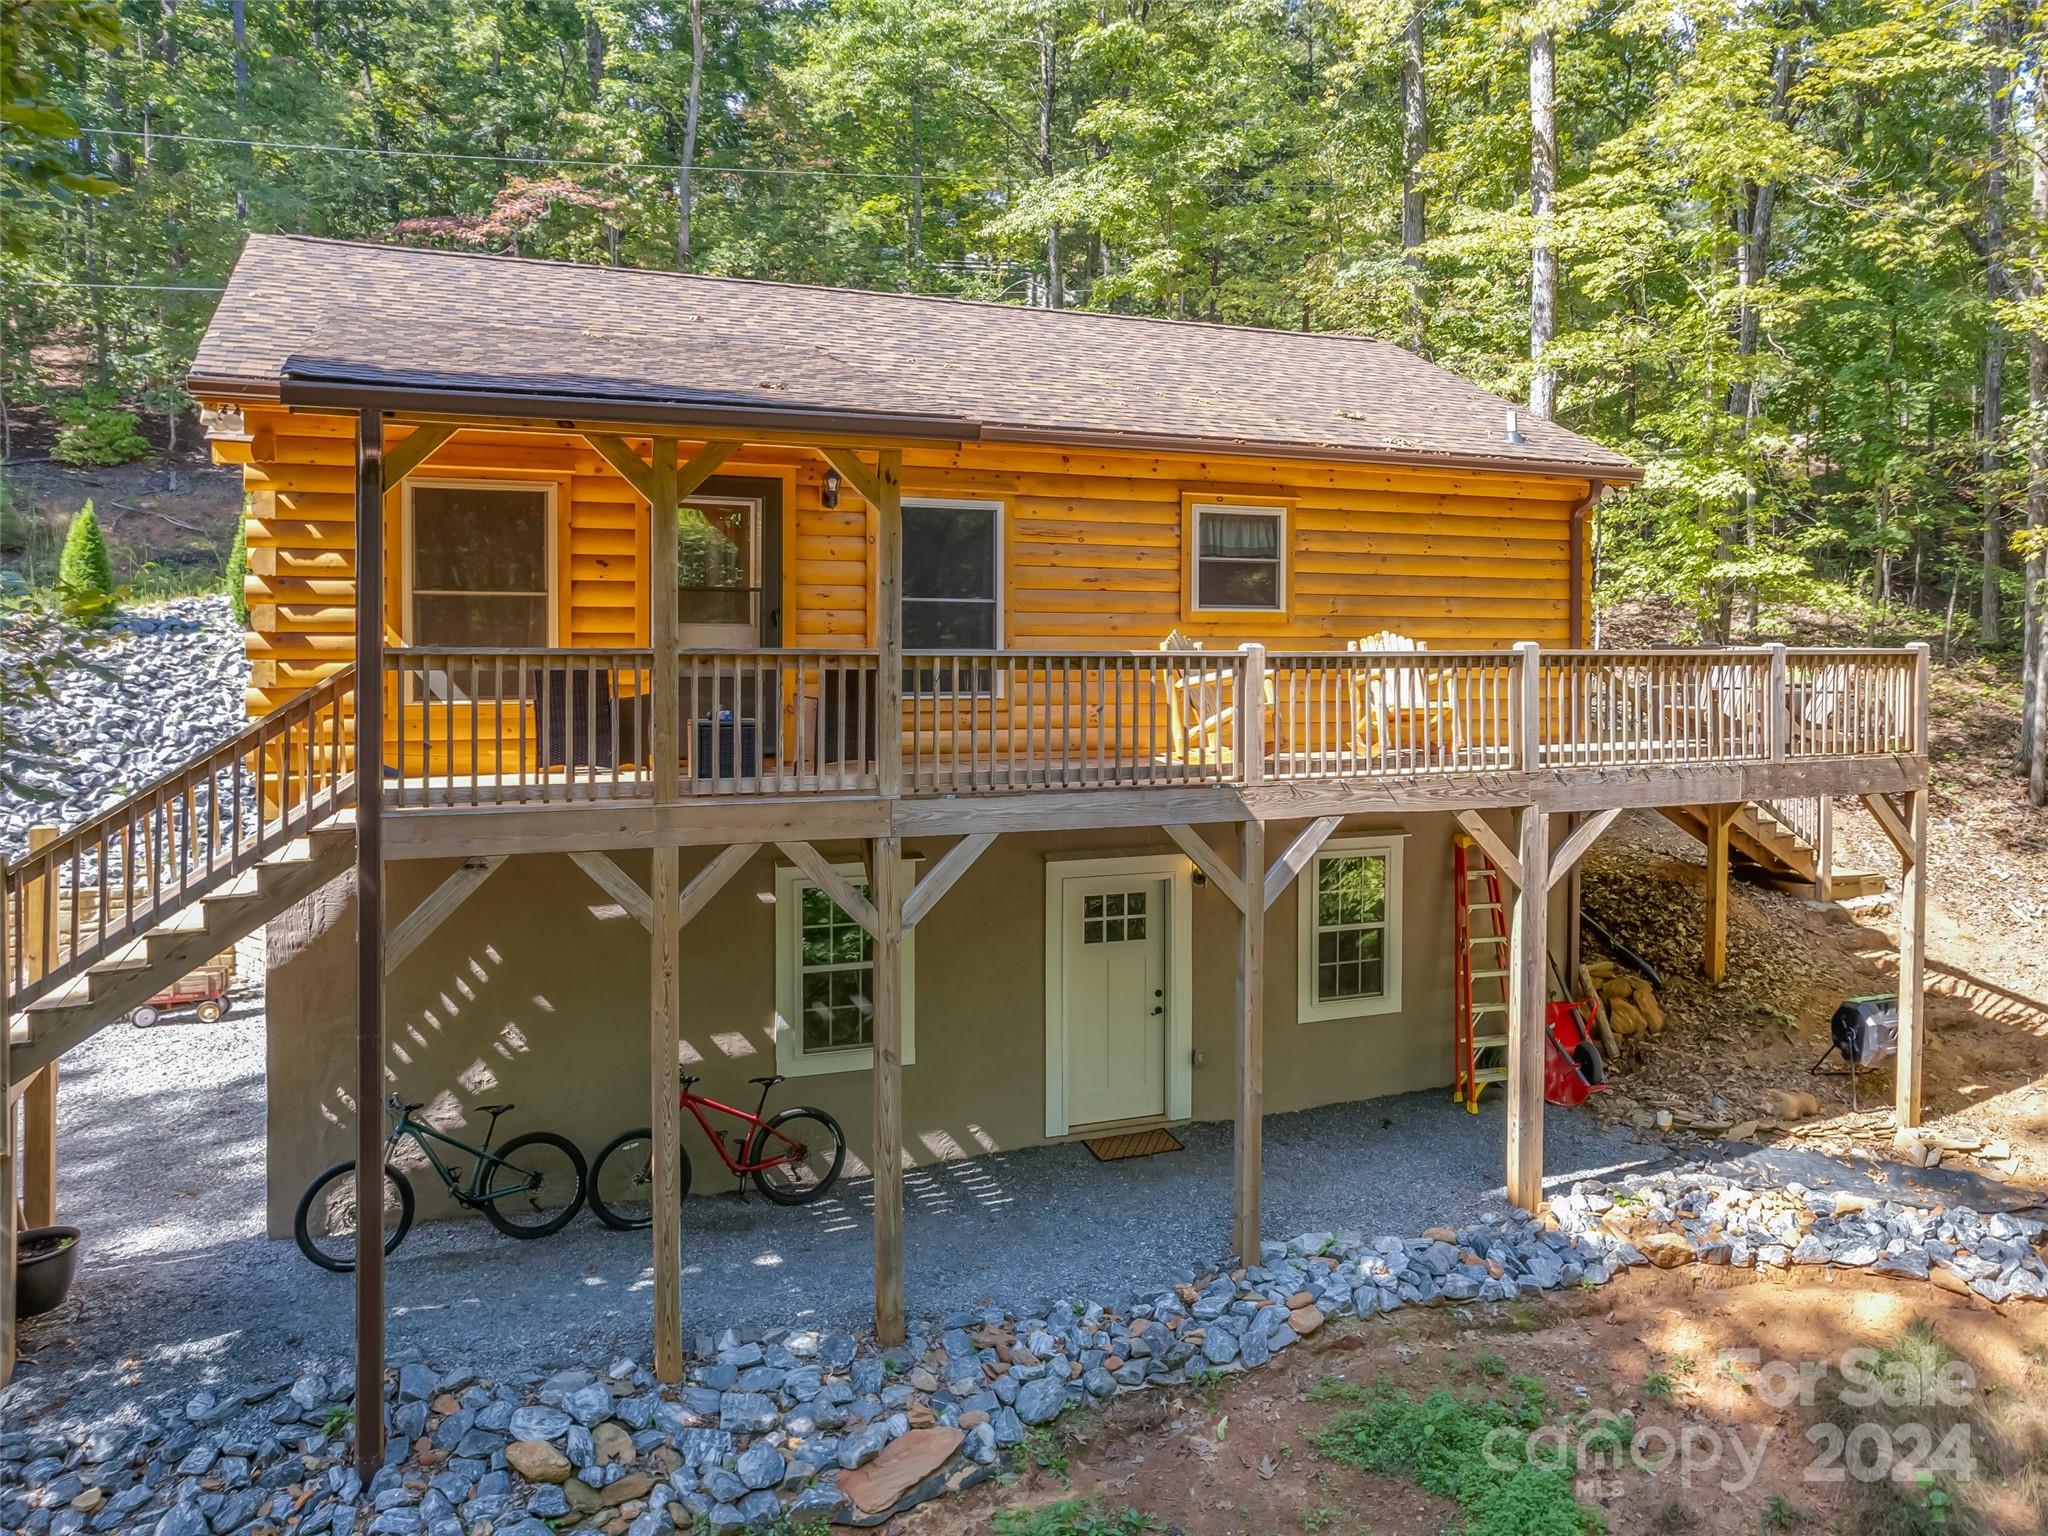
[(1048, 85), (1542, 193), (1990, 415), (689, 156), (916, 186), (1414, 146), (238, 20), (2034, 618), (593, 54)]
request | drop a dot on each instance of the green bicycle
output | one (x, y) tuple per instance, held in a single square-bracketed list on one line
[(530, 1187)]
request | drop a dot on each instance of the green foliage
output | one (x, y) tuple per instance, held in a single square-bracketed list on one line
[(1072, 1517), (1657, 1387), (97, 431), (1044, 1450), (1781, 1514), (1806, 407), (85, 566), (1441, 1442), (238, 572)]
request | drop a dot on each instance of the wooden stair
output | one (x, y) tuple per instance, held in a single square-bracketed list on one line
[(111, 988), (1767, 848)]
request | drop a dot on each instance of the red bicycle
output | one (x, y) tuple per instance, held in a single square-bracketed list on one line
[(793, 1157)]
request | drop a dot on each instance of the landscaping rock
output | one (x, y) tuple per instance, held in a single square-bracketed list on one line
[(880, 1484)]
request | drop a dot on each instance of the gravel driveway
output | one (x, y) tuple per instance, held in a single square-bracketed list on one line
[(162, 1165)]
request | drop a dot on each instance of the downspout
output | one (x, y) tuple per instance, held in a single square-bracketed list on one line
[(1575, 567)]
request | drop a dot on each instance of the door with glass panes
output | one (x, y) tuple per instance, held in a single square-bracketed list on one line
[(1113, 955)]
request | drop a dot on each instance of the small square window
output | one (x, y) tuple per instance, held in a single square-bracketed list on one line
[(1350, 930)]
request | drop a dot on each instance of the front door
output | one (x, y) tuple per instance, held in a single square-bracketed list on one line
[(1114, 991)]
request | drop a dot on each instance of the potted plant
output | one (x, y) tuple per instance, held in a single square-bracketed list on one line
[(45, 1263)]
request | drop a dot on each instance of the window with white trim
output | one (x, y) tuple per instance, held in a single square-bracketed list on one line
[(1240, 556), (824, 980), (1350, 922)]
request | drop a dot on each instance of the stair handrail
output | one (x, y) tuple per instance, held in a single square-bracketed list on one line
[(187, 832)]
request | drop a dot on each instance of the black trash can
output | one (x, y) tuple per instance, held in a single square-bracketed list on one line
[(727, 749)]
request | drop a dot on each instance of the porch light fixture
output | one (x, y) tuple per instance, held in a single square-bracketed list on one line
[(224, 424), (831, 488)]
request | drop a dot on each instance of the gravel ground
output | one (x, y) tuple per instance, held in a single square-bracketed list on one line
[(162, 1165)]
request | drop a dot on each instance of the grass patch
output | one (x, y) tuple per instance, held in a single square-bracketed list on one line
[(1959, 1447), (1072, 1517), (1440, 1442)]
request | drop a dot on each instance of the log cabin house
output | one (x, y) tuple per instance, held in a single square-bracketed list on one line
[(1009, 725)]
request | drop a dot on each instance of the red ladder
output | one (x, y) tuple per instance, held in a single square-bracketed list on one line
[(1482, 980)]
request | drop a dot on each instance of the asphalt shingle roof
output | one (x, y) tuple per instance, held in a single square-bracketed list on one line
[(309, 311)]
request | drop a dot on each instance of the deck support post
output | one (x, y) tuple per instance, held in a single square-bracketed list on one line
[(1248, 1142), (1714, 938), (1912, 961), (885, 890), (664, 947), (1528, 1005), (369, 779), (39, 1149)]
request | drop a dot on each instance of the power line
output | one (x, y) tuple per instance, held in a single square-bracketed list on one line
[(76, 282), (453, 154)]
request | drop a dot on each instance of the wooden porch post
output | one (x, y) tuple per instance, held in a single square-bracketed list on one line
[(1528, 1002), (39, 1094), (1248, 1141), (7, 1171), (1714, 939), (1912, 961), (664, 1031), (369, 778), (885, 888)]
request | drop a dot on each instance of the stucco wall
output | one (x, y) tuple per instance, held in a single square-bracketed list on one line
[(535, 993)]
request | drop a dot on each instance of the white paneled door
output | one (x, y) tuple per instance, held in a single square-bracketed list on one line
[(1114, 993)]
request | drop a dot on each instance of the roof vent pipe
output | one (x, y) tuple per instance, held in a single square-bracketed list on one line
[(1514, 427)]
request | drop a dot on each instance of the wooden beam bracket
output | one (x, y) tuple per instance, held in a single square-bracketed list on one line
[(618, 453), (415, 927), (1574, 847), (855, 473), (1209, 862), (834, 884), (1480, 830), (618, 885), (956, 861), (401, 459), (1291, 863)]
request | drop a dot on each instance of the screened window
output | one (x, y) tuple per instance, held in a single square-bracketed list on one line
[(480, 562), (825, 977), (1350, 930), (1240, 557), (951, 571)]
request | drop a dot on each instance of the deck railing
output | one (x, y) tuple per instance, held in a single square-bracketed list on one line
[(522, 727), (519, 727), (106, 882)]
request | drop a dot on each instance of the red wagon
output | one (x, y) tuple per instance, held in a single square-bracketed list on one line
[(203, 990)]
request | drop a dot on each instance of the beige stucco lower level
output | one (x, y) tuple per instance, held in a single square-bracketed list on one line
[(535, 992)]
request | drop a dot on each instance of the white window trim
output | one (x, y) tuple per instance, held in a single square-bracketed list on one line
[(1388, 845), (790, 1057), (969, 504), (548, 488), (743, 636), (1198, 511), (1178, 872)]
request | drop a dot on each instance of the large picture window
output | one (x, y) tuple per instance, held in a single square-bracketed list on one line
[(1350, 960), (824, 980), (478, 559), (1239, 557)]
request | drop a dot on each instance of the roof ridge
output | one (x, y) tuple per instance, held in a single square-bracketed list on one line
[(954, 300)]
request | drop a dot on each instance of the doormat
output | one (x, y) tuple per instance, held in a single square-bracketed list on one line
[(1114, 1149)]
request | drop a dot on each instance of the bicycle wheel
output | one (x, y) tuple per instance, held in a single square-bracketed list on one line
[(325, 1223), (535, 1185), (622, 1181), (797, 1155)]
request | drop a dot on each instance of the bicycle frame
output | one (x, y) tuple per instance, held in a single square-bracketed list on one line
[(696, 1104), (424, 1136)]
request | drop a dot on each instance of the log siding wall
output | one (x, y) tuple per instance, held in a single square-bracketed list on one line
[(1093, 546)]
